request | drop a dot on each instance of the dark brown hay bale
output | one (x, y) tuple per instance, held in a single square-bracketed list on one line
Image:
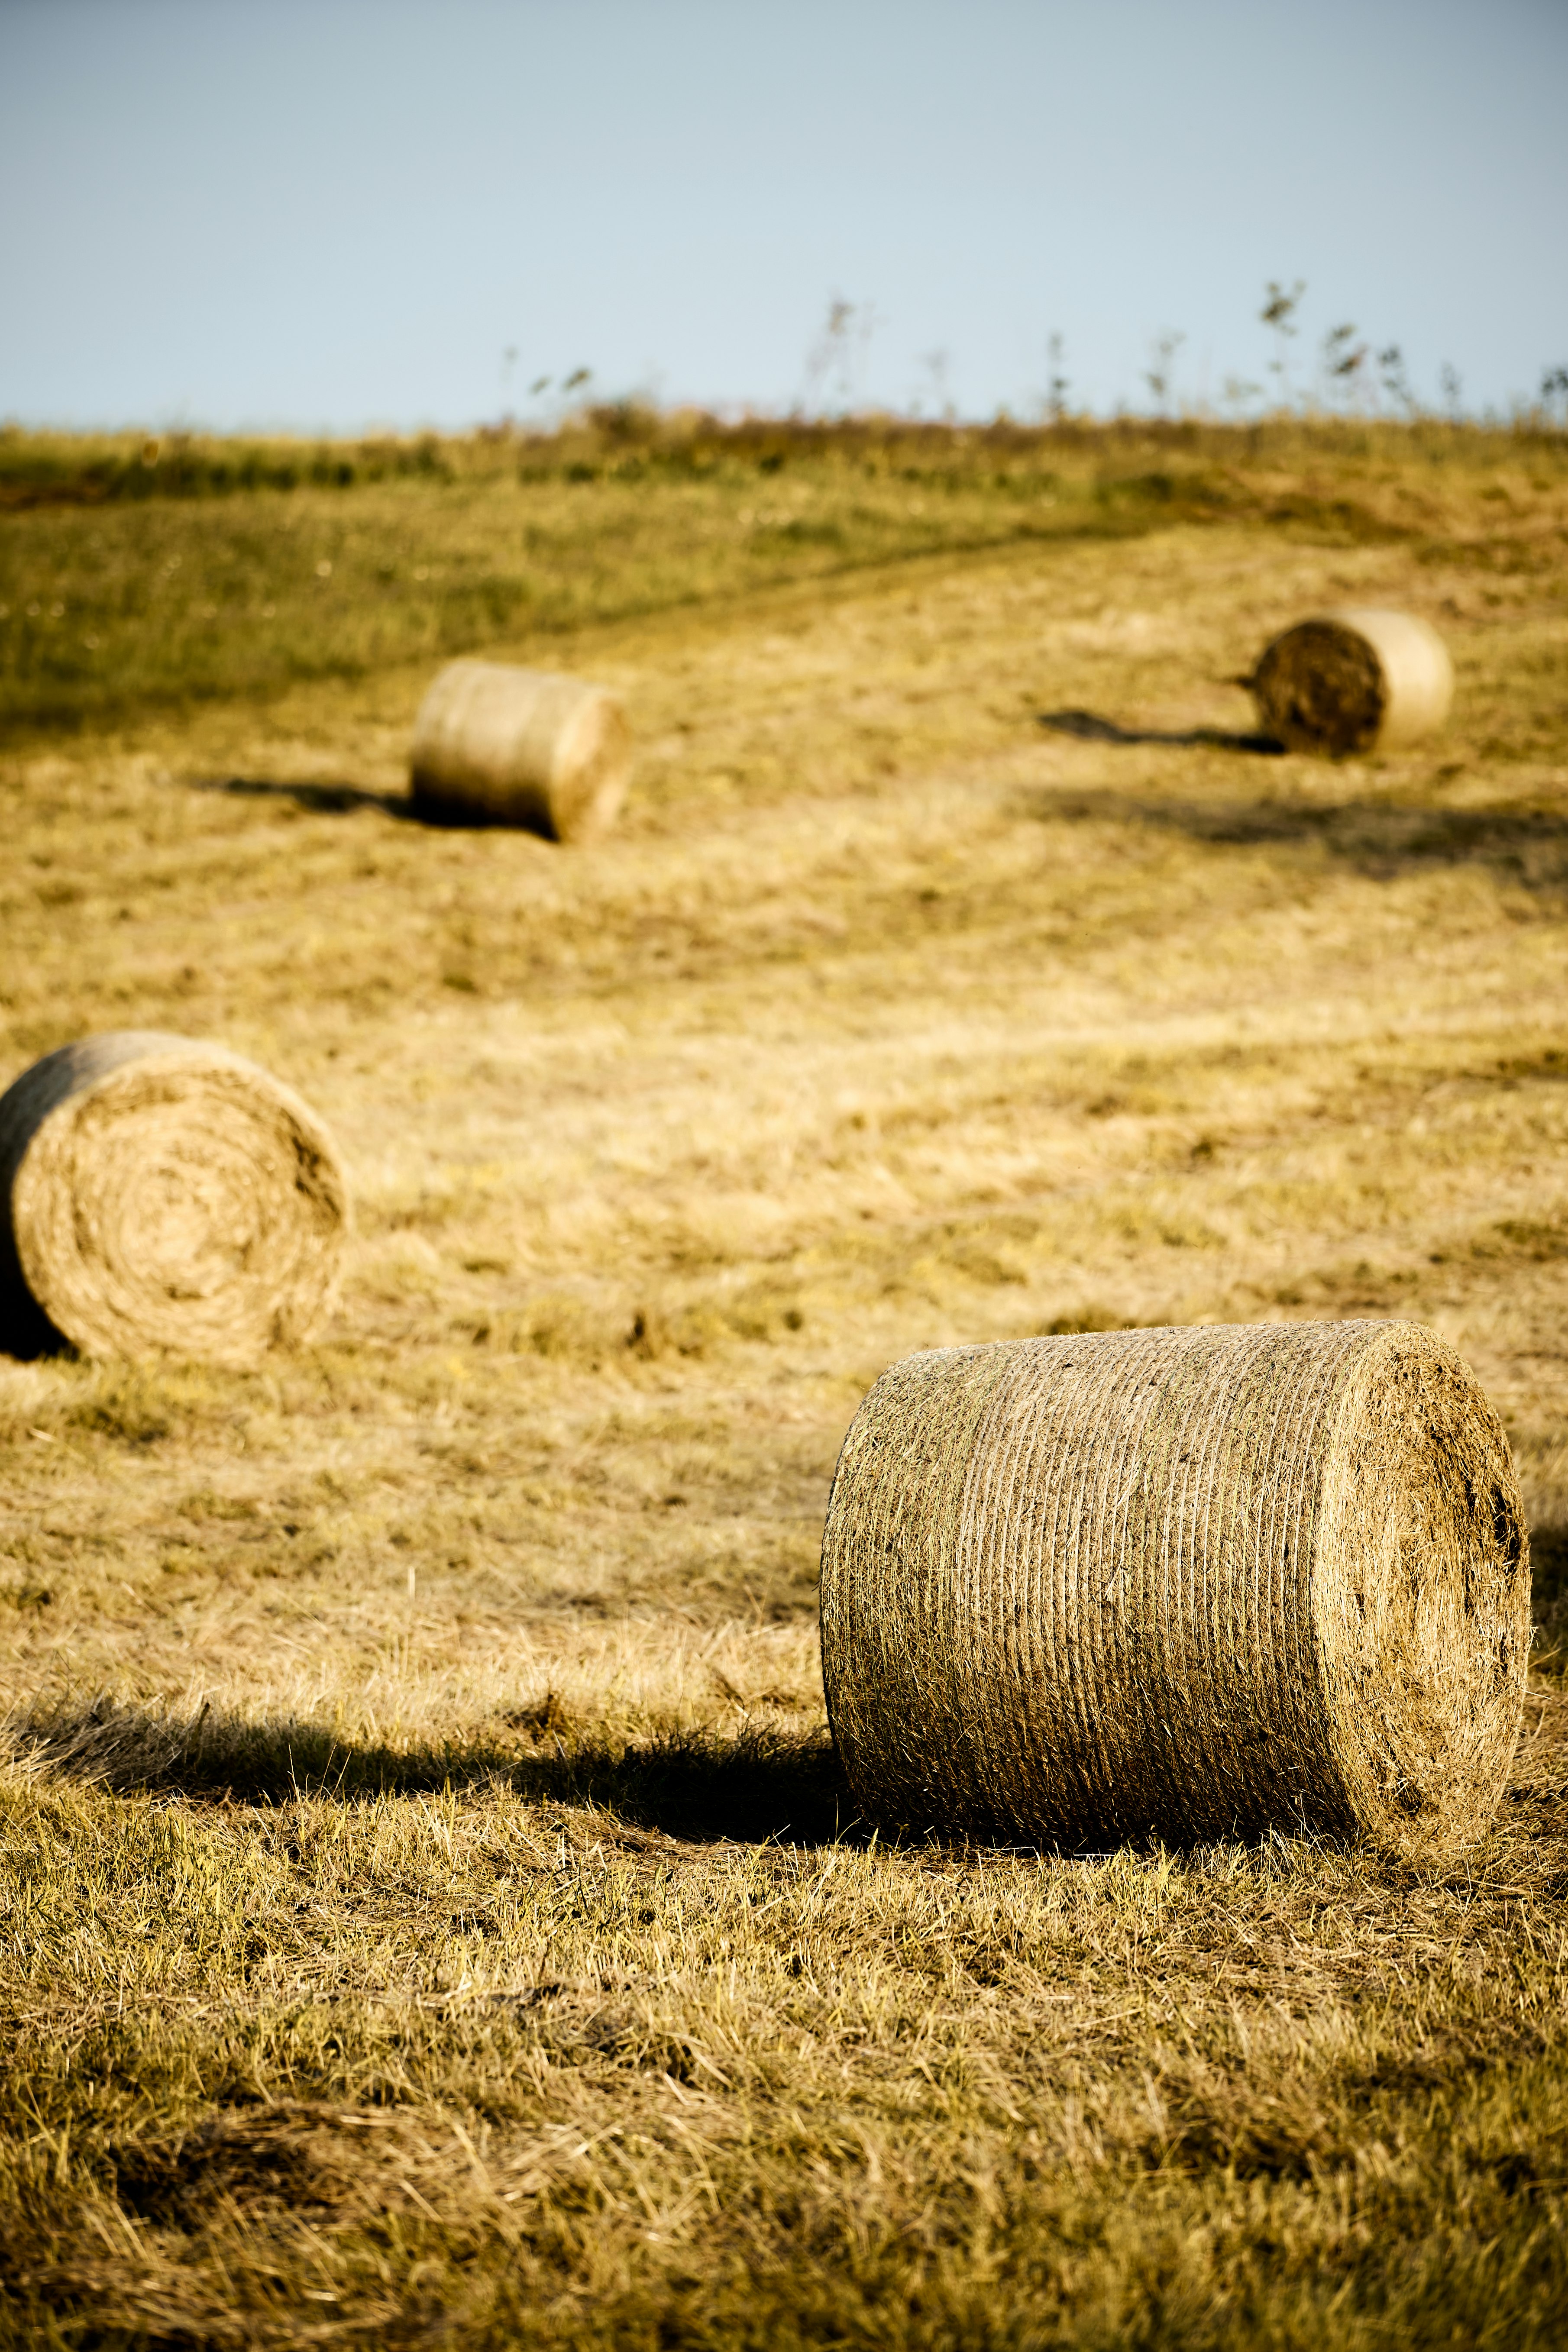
[(1191, 1584), (497, 745), (161, 1195), (1358, 681)]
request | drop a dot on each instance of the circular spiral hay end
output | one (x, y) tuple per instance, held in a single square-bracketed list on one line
[(1185, 1584), (160, 1196)]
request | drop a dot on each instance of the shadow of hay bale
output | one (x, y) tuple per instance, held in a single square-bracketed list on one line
[(1378, 839), (349, 800), (1088, 727), (26, 1334), (319, 800), (1549, 1581), (752, 1787), (281, 2160)]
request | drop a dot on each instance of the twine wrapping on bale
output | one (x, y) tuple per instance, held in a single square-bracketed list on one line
[(496, 745), (161, 1195), (1191, 1584), (1358, 681)]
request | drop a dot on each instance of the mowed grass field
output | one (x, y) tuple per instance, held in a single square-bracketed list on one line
[(431, 1912)]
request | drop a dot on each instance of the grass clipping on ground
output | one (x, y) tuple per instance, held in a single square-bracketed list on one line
[(1190, 1584), (158, 1195)]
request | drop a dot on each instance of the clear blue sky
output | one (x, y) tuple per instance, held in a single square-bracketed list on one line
[(336, 212)]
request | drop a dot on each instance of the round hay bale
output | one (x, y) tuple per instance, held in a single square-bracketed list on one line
[(1357, 680), (496, 745), (1187, 1585), (161, 1195)]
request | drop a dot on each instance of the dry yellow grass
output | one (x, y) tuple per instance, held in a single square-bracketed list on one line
[(428, 1910)]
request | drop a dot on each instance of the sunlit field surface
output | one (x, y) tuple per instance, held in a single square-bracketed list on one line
[(431, 1910)]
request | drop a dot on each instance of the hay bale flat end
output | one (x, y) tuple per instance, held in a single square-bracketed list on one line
[(158, 1195)]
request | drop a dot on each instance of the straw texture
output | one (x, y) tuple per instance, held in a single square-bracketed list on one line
[(497, 745), (161, 1195), (1357, 680), (1192, 1584)]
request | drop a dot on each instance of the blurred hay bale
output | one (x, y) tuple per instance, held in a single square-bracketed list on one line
[(161, 1195), (1357, 680), (1193, 1584), (497, 745)]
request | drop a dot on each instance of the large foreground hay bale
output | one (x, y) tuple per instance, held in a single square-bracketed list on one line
[(157, 1194), (497, 745), (1190, 1583), (1357, 680)]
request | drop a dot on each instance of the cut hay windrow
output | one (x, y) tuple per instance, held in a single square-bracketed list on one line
[(497, 745), (1187, 1585), (161, 1196), (1357, 680)]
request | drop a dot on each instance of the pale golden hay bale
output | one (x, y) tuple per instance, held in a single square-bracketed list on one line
[(497, 745), (1357, 680), (1196, 1584), (161, 1195)]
